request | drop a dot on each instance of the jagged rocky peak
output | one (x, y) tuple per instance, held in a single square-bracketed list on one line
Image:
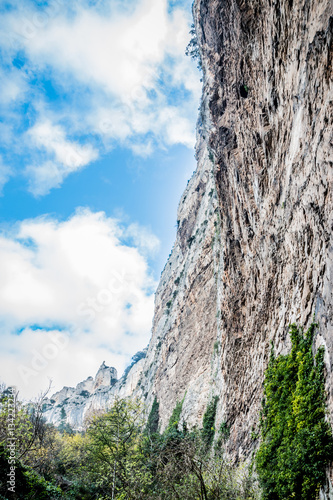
[(74, 405), (105, 377), (86, 385)]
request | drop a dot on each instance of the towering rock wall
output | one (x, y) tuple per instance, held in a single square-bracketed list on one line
[(254, 245)]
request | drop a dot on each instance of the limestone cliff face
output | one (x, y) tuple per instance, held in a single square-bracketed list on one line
[(254, 248)]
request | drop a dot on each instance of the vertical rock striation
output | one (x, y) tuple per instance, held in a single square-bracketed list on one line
[(254, 248)]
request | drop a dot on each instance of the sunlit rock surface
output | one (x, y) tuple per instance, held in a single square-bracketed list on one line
[(254, 247)]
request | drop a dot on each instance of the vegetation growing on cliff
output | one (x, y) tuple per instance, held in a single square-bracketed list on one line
[(192, 49), (135, 359), (175, 416), (208, 423), (297, 443), (153, 418)]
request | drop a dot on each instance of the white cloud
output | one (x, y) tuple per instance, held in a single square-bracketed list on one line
[(116, 67), (118, 53), (143, 239), (52, 138), (13, 86), (68, 156), (78, 277)]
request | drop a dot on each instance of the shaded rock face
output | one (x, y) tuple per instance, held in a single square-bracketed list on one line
[(273, 150), (254, 249)]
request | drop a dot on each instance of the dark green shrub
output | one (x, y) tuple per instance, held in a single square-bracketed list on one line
[(135, 359), (190, 240), (208, 422), (153, 418), (28, 484), (297, 443), (85, 394), (175, 416), (223, 436)]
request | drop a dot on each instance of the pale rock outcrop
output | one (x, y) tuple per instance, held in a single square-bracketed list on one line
[(74, 406)]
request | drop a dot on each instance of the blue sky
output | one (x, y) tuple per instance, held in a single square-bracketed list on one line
[(98, 106)]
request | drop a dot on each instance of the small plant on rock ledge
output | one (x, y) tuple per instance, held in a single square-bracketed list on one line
[(190, 240), (192, 49)]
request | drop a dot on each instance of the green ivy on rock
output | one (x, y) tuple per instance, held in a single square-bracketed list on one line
[(208, 422), (296, 439), (175, 416), (153, 418)]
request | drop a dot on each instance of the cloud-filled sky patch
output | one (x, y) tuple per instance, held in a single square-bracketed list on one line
[(88, 277), (98, 105), (79, 79)]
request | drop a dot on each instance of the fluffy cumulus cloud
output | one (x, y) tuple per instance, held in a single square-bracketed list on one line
[(72, 294), (113, 73)]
